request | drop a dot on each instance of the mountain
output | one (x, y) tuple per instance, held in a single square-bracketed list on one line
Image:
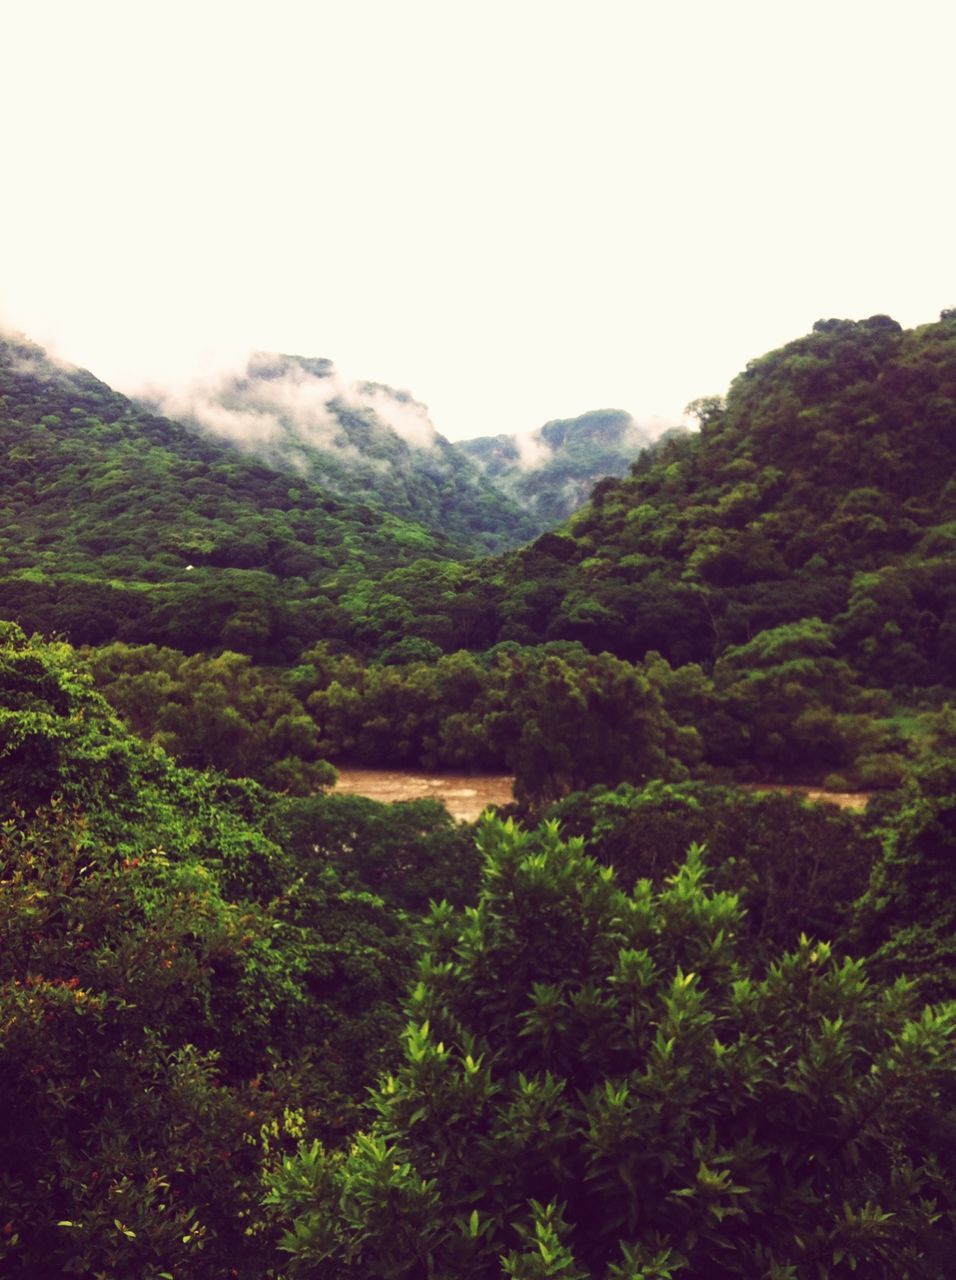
[(820, 491), (823, 488), (551, 471), (367, 440), (116, 522)]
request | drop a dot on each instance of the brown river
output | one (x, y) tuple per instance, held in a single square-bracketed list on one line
[(466, 795)]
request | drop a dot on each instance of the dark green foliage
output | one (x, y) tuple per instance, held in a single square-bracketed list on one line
[(907, 917), (578, 718), (177, 995), (125, 1150), (594, 1086), (296, 416), (797, 867), (823, 483), (408, 854), (222, 713), (557, 717)]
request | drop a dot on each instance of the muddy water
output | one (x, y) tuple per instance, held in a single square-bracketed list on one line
[(466, 795), (842, 799)]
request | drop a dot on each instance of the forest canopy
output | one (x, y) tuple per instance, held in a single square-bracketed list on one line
[(666, 1017)]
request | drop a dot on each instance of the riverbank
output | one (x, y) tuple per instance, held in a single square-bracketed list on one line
[(467, 795), (464, 795), (842, 799)]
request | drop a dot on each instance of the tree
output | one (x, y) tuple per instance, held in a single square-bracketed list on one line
[(797, 867), (593, 1086), (907, 917), (708, 410), (576, 719), (176, 991)]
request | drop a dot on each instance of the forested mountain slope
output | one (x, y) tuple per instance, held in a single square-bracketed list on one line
[(355, 440), (791, 566), (115, 522), (552, 470), (823, 488), (785, 579)]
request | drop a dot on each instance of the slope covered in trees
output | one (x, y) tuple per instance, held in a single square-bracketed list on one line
[(192, 973), (786, 577), (116, 523), (299, 416), (783, 581), (823, 488), (619, 1058)]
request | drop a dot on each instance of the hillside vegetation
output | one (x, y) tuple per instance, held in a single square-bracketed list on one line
[(823, 487), (117, 523), (663, 1027), (299, 416)]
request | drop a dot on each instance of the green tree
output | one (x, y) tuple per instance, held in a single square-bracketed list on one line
[(177, 993), (593, 1086), (797, 867), (575, 719), (907, 917)]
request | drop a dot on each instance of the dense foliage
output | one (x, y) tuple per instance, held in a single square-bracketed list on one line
[(295, 414), (782, 579), (532, 711), (190, 976), (795, 866), (214, 711), (595, 1086), (621, 1059), (118, 524), (822, 488)]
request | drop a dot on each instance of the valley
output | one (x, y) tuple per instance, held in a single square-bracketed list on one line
[(667, 1019)]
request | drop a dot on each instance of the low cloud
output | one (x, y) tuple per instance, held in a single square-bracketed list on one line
[(407, 417), (283, 400), (644, 431), (533, 451), (248, 427)]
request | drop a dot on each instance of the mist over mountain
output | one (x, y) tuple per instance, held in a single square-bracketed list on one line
[(115, 521), (552, 470), (299, 415)]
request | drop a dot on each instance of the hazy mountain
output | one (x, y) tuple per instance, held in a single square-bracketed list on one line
[(822, 488), (362, 439), (552, 470), (117, 522)]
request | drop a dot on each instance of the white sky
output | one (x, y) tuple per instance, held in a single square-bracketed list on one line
[(518, 210)]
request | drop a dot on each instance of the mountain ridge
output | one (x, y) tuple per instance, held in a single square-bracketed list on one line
[(298, 415), (552, 470)]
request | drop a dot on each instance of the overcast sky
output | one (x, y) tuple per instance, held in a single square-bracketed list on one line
[(518, 211)]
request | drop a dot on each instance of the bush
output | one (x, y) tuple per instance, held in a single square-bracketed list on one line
[(593, 1086)]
